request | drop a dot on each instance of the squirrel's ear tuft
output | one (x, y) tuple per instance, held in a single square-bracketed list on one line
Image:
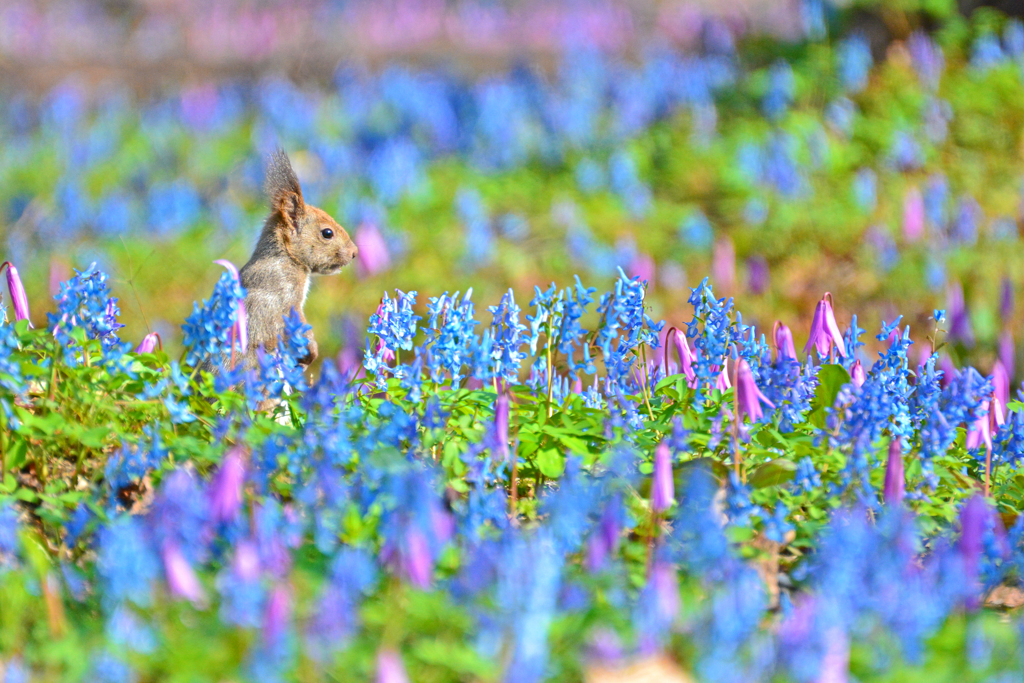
[(282, 186)]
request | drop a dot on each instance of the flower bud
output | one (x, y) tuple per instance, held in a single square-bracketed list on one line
[(662, 484), (181, 578), (148, 343), (18, 297), (894, 479)]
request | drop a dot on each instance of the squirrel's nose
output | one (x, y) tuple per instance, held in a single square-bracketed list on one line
[(355, 252)]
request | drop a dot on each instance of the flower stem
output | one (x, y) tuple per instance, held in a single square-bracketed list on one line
[(647, 401), (988, 468), (551, 363), (513, 486), (736, 421), (3, 450)]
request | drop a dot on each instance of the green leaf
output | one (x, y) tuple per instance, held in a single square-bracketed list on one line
[(551, 462), (16, 454), (33, 548), (831, 378), (94, 438), (772, 473)]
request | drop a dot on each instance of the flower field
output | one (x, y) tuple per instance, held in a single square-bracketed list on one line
[(698, 357)]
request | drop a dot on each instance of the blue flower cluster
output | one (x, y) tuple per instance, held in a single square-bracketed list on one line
[(84, 302), (207, 332), (355, 456)]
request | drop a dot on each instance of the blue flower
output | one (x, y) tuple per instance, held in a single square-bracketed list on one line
[(986, 52), (180, 516), (173, 206), (625, 320), (106, 668), (806, 479), (507, 338), (84, 301), (865, 185), (477, 223), (590, 176), (779, 94), (451, 336), (696, 231), (854, 55), (126, 563), (132, 461), (179, 411), (395, 326), (8, 533), (207, 330), (738, 506)]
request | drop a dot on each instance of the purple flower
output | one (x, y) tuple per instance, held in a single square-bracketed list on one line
[(390, 668), (501, 411), (246, 564), (181, 578), (748, 396), (1006, 299), (927, 58), (949, 371), (665, 584), (686, 354), (784, 347), (1000, 383), (959, 322), (913, 215), (894, 480), (373, 251), (226, 488), (722, 382), (1008, 353), (240, 330), (757, 275), (824, 329), (605, 538), (974, 518), (17, 290), (857, 374), (277, 614), (417, 560), (723, 264), (987, 424), (662, 483), (59, 272), (148, 343), (643, 267)]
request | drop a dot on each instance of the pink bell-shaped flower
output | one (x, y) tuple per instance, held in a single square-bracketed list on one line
[(18, 297), (857, 374), (662, 483), (784, 346), (824, 329), (181, 579), (149, 343), (895, 484), (748, 396)]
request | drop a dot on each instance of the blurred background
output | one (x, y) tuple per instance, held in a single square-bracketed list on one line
[(781, 148)]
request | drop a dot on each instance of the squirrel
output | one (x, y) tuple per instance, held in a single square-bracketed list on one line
[(298, 240)]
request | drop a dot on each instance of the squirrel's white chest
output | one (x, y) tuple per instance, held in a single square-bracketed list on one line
[(305, 292)]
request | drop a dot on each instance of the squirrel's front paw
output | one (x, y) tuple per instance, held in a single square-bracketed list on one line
[(311, 356)]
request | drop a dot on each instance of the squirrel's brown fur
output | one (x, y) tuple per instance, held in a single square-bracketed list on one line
[(293, 246)]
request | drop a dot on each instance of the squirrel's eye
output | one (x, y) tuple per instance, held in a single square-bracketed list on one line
[(327, 233)]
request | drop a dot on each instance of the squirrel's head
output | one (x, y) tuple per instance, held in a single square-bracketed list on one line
[(308, 234)]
